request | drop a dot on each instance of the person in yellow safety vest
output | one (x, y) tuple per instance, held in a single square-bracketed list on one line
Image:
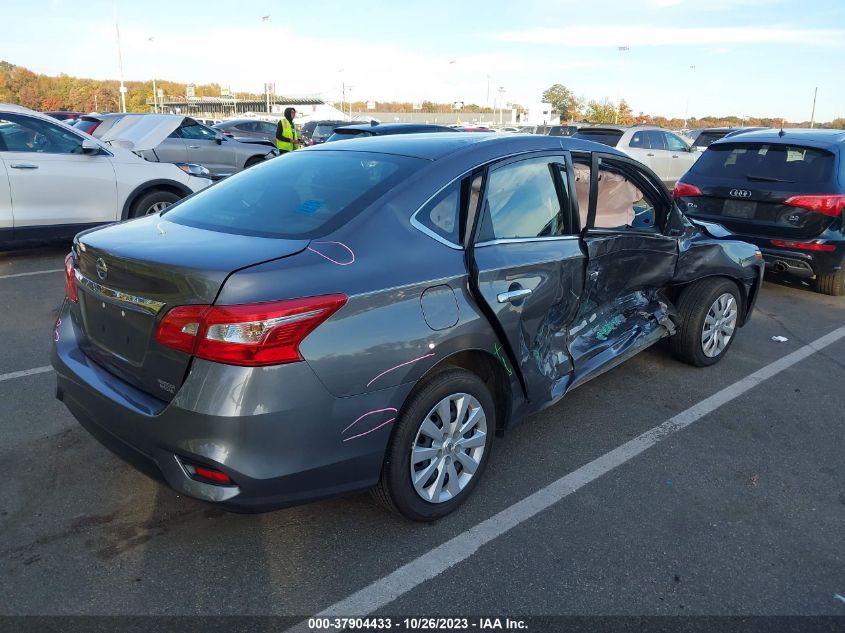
[(286, 136)]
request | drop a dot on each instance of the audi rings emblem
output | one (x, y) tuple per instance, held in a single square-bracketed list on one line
[(102, 269), (740, 193)]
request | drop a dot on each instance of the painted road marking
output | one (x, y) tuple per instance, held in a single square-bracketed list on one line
[(431, 564), (25, 372), (37, 272)]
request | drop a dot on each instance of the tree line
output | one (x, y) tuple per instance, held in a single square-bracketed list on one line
[(46, 93), (573, 108)]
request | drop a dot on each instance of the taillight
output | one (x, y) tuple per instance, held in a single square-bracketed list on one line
[(804, 246), (70, 279), (685, 190), (826, 204), (256, 334)]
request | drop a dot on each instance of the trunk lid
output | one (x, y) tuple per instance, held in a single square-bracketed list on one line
[(745, 187), (130, 274)]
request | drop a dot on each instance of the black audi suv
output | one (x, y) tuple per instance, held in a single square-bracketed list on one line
[(783, 190)]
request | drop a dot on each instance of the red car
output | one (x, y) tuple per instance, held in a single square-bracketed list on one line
[(65, 115)]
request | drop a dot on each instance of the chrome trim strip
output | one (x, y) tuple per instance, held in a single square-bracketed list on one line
[(424, 229), (153, 307), (521, 240)]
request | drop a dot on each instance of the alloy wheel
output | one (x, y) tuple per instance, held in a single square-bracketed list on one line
[(448, 448), (157, 207), (719, 325)]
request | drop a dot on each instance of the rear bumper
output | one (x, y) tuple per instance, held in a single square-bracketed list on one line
[(276, 431), (802, 263)]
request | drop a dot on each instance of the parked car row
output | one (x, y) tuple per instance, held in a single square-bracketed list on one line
[(56, 180)]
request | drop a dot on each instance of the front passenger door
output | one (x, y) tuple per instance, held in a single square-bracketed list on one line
[(629, 260), (207, 148), (527, 267)]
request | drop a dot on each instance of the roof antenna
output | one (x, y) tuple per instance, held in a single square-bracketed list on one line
[(781, 133)]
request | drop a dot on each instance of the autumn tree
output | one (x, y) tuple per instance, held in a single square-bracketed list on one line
[(563, 100)]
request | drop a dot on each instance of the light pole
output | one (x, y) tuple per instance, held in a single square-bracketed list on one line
[(501, 92), (120, 62), (813, 113), (621, 50), (155, 92), (266, 19), (689, 89)]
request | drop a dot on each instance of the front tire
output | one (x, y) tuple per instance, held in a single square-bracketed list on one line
[(253, 161), (710, 312), (440, 447), (152, 202)]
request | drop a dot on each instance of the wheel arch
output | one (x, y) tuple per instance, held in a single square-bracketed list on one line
[(675, 291), (484, 365), (161, 184)]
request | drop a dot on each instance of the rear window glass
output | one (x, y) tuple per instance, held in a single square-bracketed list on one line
[(605, 137), (766, 162), (705, 138), (341, 134), (323, 130), (85, 125), (301, 195)]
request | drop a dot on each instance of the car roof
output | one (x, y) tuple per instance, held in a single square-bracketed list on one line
[(436, 145), (817, 137), (387, 128), (620, 128), (11, 107)]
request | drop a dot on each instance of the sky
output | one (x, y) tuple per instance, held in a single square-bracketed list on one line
[(683, 57)]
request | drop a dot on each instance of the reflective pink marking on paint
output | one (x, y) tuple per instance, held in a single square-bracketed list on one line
[(369, 413), (334, 261), (370, 431), (387, 371)]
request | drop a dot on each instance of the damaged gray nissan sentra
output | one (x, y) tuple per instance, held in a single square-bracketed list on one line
[(368, 314)]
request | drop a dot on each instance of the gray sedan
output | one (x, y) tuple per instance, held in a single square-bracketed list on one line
[(368, 314)]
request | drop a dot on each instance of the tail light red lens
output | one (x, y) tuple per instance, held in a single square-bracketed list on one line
[(826, 204), (685, 190), (251, 335), (804, 246), (70, 279)]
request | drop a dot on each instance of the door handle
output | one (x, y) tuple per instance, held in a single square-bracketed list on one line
[(649, 154), (594, 275), (674, 155), (513, 295), (193, 147), (23, 166)]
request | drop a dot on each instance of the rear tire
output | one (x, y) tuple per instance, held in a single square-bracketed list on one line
[(710, 313), (453, 470), (253, 161), (153, 202), (832, 283)]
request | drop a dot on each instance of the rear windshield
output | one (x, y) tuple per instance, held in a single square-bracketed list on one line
[(605, 137), (763, 162), (301, 195), (323, 130), (705, 138), (345, 133), (85, 125)]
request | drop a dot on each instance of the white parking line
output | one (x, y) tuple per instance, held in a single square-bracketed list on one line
[(25, 372), (461, 547), (37, 272)]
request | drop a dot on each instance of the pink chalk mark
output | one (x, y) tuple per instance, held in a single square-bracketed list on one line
[(334, 261), (371, 430), (387, 371), (367, 414)]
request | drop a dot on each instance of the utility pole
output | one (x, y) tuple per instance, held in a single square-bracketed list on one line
[(813, 114), (266, 19)]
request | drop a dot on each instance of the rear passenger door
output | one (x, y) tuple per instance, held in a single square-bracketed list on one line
[(527, 267), (629, 260)]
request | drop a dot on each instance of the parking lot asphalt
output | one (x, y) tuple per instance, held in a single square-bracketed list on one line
[(740, 513)]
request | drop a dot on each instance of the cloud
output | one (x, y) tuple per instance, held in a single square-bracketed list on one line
[(650, 35)]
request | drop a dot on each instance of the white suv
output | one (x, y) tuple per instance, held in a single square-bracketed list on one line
[(665, 153), (56, 181)]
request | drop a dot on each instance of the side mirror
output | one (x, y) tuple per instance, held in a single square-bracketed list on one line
[(90, 147), (218, 139), (693, 148)]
